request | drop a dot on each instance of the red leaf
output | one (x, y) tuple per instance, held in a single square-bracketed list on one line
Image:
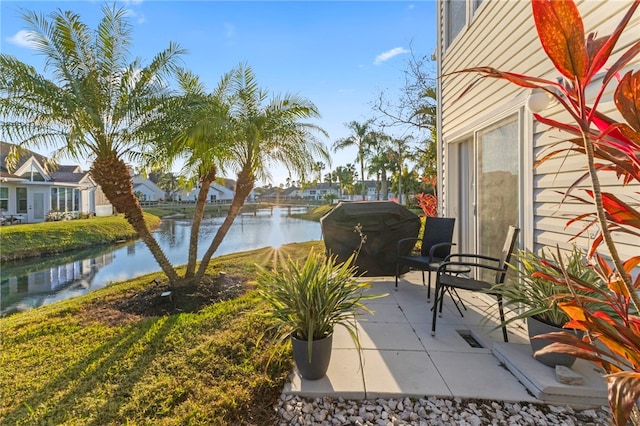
[(627, 99), (561, 33), (599, 58), (624, 391)]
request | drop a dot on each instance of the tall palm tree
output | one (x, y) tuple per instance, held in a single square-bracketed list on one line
[(360, 138), (267, 131), (95, 104)]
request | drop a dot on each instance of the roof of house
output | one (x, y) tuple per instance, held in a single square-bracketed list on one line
[(62, 173)]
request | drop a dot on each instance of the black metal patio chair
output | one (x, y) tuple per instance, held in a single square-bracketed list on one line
[(435, 247), (448, 276)]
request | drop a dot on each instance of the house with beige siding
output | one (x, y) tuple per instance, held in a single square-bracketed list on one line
[(489, 139)]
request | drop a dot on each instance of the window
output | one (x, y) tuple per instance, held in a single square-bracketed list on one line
[(76, 200), (21, 198), (456, 15), (4, 199), (54, 199), (476, 5)]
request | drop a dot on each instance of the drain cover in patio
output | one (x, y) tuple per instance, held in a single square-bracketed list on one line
[(383, 222)]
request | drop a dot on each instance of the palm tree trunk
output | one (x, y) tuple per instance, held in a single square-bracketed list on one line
[(364, 190), (385, 185), (112, 174), (198, 213), (244, 185)]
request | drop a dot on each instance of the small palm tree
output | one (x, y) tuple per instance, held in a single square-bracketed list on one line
[(266, 131), (93, 103)]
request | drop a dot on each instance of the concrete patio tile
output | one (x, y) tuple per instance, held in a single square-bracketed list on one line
[(342, 339), (479, 375), (394, 336), (396, 374), (343, 378), (417, 313), (447, 339), (384, 312), (487, 336), (378, 287)]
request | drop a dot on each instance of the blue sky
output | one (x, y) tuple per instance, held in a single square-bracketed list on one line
[(338, 54)]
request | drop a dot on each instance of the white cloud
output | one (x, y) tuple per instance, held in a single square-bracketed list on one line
[(389, 54), (21, 38), (229, 30)]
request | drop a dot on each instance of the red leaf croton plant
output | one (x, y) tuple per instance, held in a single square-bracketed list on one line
[(612, 330)]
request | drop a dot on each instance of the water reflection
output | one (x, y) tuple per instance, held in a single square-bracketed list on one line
[(29, 284)]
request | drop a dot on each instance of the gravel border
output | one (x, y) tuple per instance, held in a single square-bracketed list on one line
[(295, 410)]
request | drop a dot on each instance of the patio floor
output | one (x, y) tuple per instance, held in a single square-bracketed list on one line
[(401, 358)]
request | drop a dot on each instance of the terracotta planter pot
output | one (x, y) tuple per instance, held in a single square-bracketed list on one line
[(320, 357), (537, 327)]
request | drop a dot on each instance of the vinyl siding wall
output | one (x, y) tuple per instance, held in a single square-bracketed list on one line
[(502, 35)]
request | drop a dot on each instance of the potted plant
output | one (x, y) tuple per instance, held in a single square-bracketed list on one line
[(308, 300), (536, 298)]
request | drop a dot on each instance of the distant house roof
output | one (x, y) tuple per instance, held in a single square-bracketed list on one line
[(60, 174), (5, 147)]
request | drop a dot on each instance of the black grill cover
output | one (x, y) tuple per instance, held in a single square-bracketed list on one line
[(383, 222)]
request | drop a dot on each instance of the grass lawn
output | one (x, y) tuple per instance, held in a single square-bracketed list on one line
[(314, 214), (91, 361), (36, 239)]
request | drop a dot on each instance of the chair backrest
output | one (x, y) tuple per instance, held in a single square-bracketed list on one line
[(507, 250), (437, 230)]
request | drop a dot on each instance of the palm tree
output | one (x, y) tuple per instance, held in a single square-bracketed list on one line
[(266, 131), (95, 104), (201, 134), (344, 175), (169, 183), (361, 139), (318, 167), (401, 146), (380, 162)]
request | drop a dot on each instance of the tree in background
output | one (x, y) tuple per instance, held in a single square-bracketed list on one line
[(361, 138), (345, 176), (381, 162), (169, 183), (96, 106)]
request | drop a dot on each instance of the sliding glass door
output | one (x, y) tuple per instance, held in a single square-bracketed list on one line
[(497, 183)]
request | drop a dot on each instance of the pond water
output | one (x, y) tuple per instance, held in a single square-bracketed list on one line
[(35, 282)]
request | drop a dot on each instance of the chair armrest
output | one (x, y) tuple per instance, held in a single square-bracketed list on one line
[(436, 246), (470, 256), (442, 269), (400, 243)]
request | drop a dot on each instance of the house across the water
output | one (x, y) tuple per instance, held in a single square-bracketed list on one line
[(35, 190)]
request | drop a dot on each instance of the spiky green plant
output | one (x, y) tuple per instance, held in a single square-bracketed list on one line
[(539, 297), (309, 300)]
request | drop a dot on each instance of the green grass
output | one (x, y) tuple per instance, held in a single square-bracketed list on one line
[(71, 363), (35, 239), (315, 214)]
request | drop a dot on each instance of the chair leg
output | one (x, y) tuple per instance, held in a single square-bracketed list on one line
[(428, 288), (504, 328), (397, 273), (434, 308), (441, 296)]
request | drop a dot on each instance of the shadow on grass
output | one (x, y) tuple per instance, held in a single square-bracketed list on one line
[(51, 404)]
